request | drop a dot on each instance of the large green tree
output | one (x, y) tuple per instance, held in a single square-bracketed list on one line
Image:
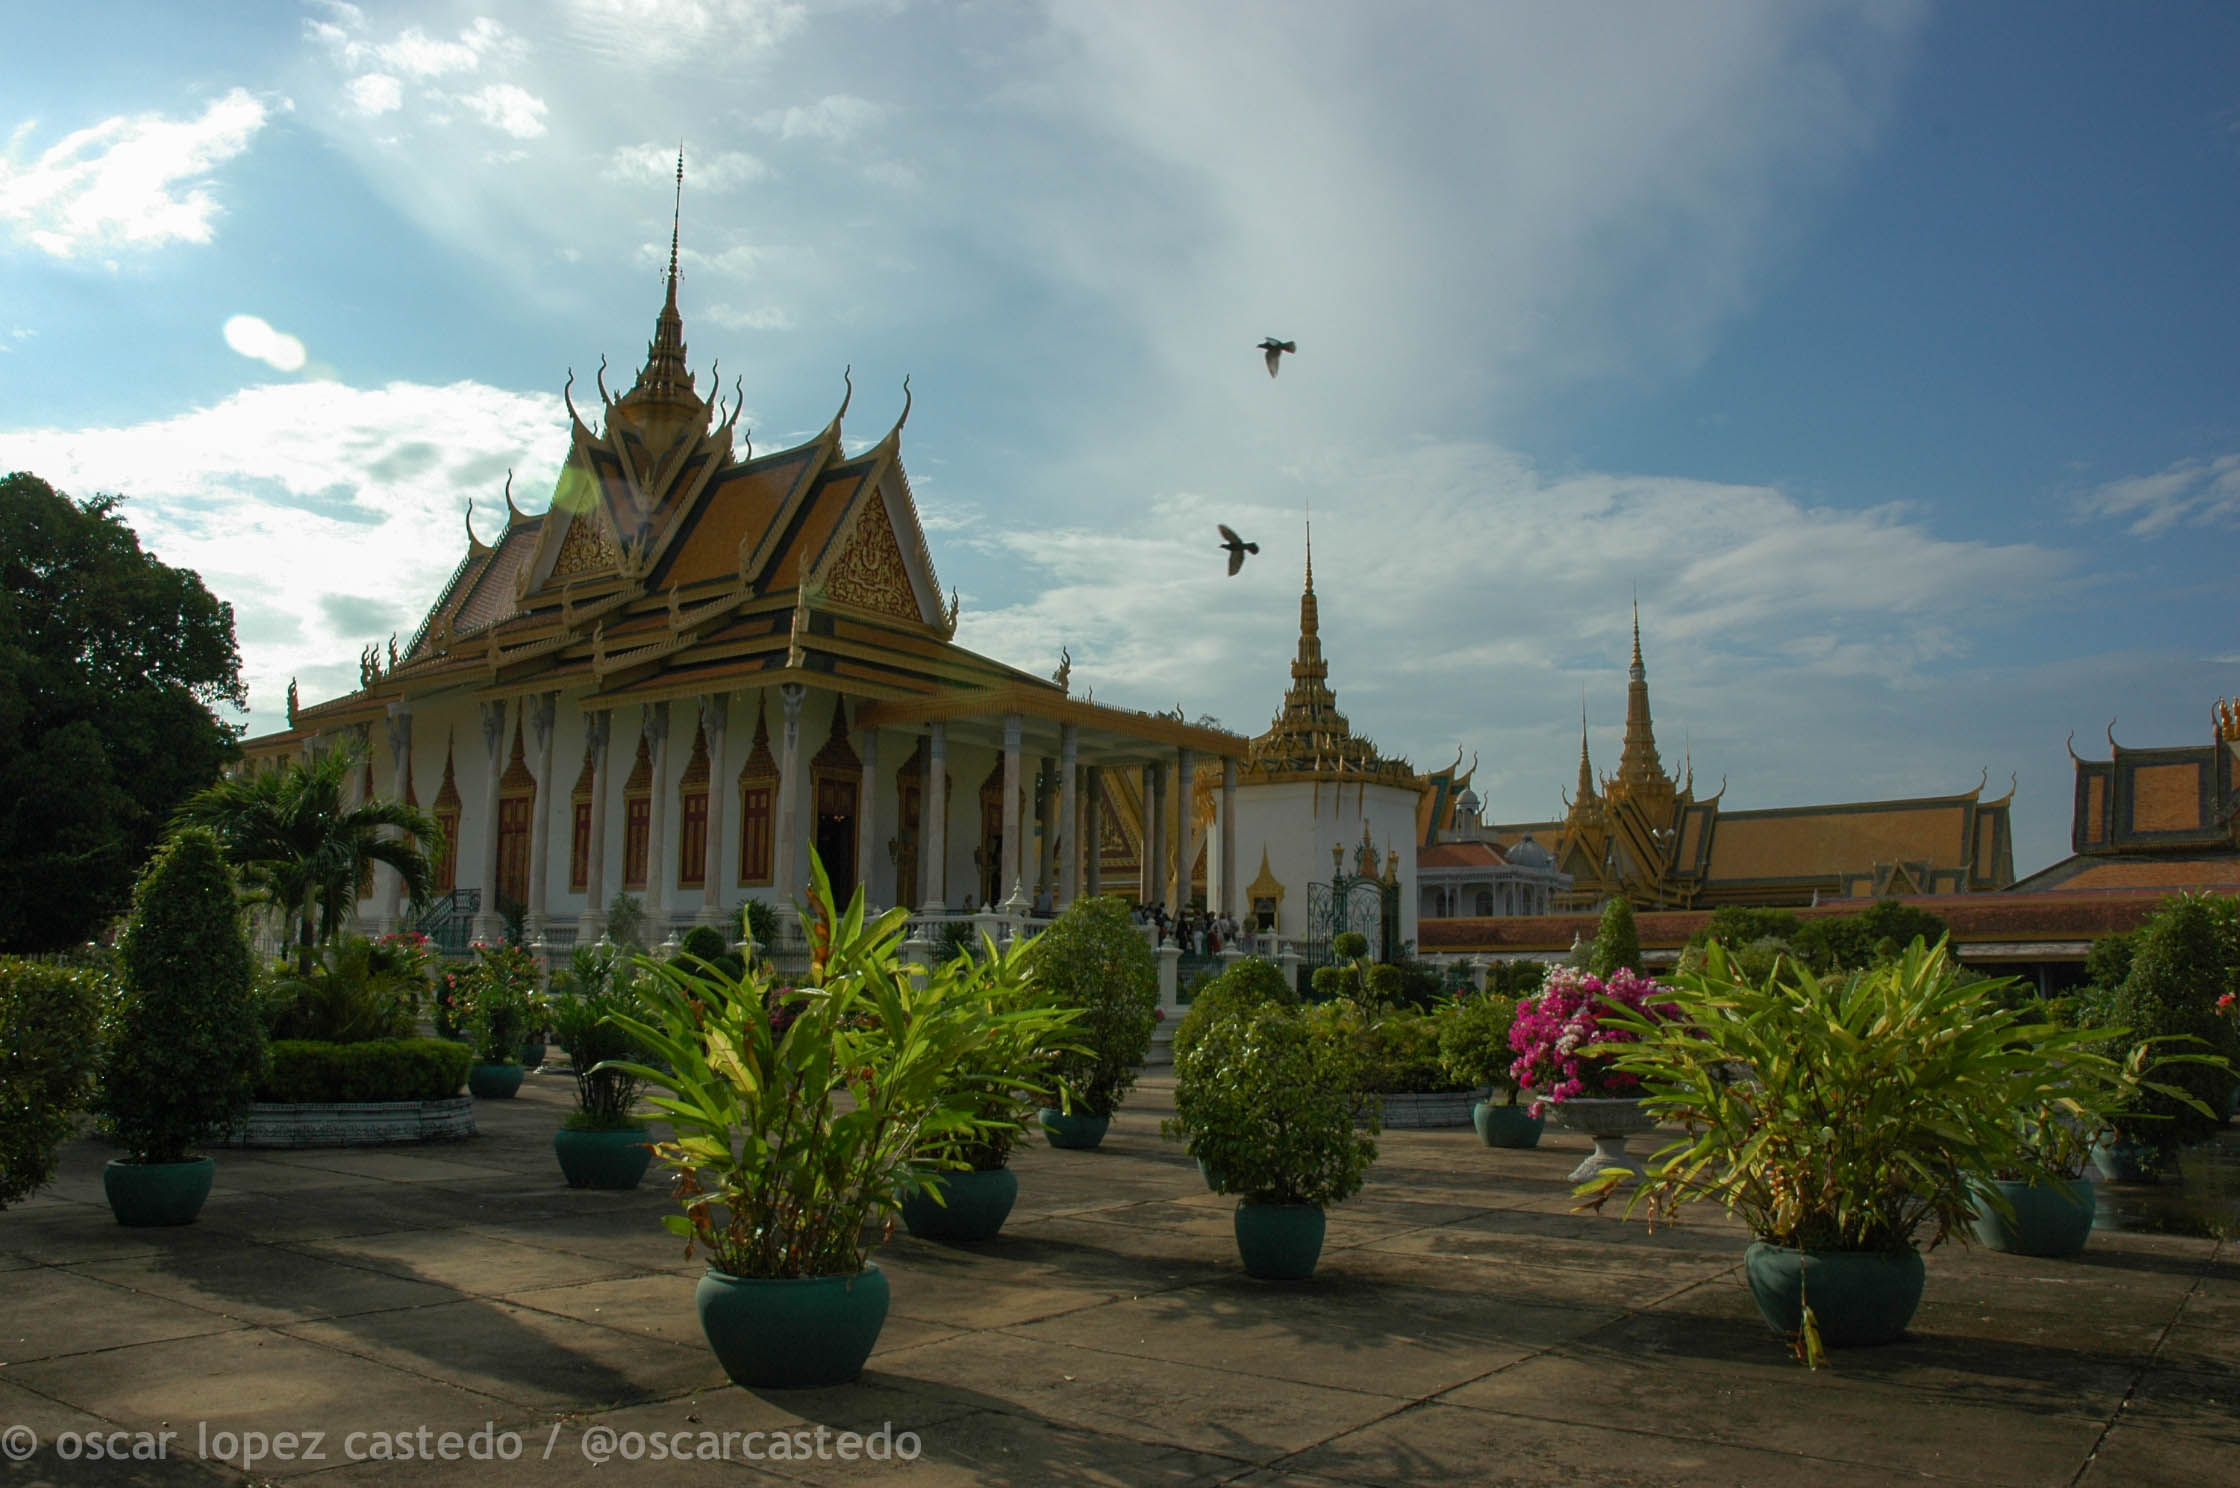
[(303, 847), (110, 664)]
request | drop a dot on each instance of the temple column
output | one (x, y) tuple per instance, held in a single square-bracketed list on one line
[(1091, 835), (1229, 899), (1185, 826), (1069, 815), (400, 777), (654, 723), (542, 710), (715, 714), (933, 824), (1155, 839), (487, 924), (788, 871), (592, 923), (867, 816), (1008, 879), (1045, 823)]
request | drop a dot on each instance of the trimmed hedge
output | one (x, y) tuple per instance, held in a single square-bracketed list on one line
[(50, 1018), (419, 1069)]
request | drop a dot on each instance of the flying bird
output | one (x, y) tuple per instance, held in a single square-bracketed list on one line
[(1275, 350), (1236, 545)]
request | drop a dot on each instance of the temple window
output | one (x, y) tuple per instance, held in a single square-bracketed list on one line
[(692, 817), (637, 818), (758, 793), (579, 831)]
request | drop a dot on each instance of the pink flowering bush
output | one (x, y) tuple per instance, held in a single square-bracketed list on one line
[(1557, 1025)]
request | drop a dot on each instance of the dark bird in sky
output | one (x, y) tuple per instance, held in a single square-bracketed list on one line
[(1275, 350), (1236, 545)]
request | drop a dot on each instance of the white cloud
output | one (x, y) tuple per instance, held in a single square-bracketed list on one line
[(130, 182), (730, 33), (375, 93), (836, 117), (258, 341), (650, 164), (504, 106), (287, 496), (416, 53), (763, 318), (2200, 492)]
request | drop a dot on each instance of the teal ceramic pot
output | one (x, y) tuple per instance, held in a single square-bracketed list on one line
[(1504, 1125), (532, 1054), (795, 1334), (2121, 1161), (1858, 1297), (1079, 1131), (145, 1195), (977, 1204), (1279, 1242), (494, 1081), (615, 1158), (2049, 1220), (1213, 1179)]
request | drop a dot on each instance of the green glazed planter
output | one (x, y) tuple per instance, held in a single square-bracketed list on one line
[(1213, 1179), (1858, 1297), (792, 1334), (1080, 1131), (1503, 1125), (494, 1081), (532, 1054), (613, 1158), (1279, 1242), (145, 1195), (2127, 1162), (977, 1205), (2048, 1220)]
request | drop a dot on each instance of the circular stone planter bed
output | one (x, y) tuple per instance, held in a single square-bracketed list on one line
[(354, 1123), (1435, 1108)]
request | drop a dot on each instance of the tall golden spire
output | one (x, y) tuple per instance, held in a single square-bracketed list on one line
[(1586, 766), (665, 381), (1310, 737), (1639, 768)]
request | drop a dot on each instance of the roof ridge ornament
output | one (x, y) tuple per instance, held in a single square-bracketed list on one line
[(475, 545)]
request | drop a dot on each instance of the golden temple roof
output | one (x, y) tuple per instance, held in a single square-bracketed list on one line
[(1309, 738)]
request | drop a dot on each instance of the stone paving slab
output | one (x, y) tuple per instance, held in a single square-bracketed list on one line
[(1466, 1326)]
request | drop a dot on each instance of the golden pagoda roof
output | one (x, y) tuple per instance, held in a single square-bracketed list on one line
[(1310, 739)]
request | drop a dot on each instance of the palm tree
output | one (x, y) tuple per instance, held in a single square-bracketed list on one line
[(292, 837)]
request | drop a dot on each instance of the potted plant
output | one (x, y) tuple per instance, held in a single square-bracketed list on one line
[(1474, 1048), (1250, 983), (2181, 962), (500, 1002), (1003, 1081), (1564, 1040), (1275, 1106), (603, 1143), (1092, 959), (185, 1046), (795, 1144), (50, 1018), (1841, 1119)]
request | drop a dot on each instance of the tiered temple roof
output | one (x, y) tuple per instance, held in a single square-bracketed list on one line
[(1309, 738)]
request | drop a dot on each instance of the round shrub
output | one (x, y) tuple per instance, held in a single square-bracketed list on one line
[(1093, 959), (2180, 966), (1474, 1040), (1275, 1108), (50, 1018), (1250, 983), (187, 1045)]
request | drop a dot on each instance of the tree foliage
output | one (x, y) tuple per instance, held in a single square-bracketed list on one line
[(1093, 959), (1617, 943), (293, 838), (49, 1027), (2183, 961), (110, 662)]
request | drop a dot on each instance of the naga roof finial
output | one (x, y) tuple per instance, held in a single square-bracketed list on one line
[(512, 511), (849, 396), (898, 423), (474, 544)]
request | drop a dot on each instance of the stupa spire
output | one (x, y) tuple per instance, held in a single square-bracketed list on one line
[(1639, 766), (1586, 766), (665, 379), (1310, 738)]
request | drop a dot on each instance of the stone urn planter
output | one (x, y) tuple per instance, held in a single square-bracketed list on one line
[(1609, 1120)]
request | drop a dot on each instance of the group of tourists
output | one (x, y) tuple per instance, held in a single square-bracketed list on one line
[(1196, 931)]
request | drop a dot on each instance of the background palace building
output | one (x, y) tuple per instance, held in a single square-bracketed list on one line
[(701, 661)]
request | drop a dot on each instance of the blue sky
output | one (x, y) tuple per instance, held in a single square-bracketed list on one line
[(1885, 351)]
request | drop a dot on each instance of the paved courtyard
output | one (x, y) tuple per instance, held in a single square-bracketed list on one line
[(1465, 1328)]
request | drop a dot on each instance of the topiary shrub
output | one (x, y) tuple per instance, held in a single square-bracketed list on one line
[(2180, 967), (1474, 1041), (1617, 942), (1093, 959), (1250, 983), (50, 1019), (1277, 1109), (186, 1047), (309, 1072), (705, 942)]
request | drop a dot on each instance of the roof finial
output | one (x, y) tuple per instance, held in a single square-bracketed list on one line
[(676, 222), (1637, 629)]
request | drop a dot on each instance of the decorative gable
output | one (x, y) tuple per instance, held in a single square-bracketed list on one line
[(586, 549), (868, 571)]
